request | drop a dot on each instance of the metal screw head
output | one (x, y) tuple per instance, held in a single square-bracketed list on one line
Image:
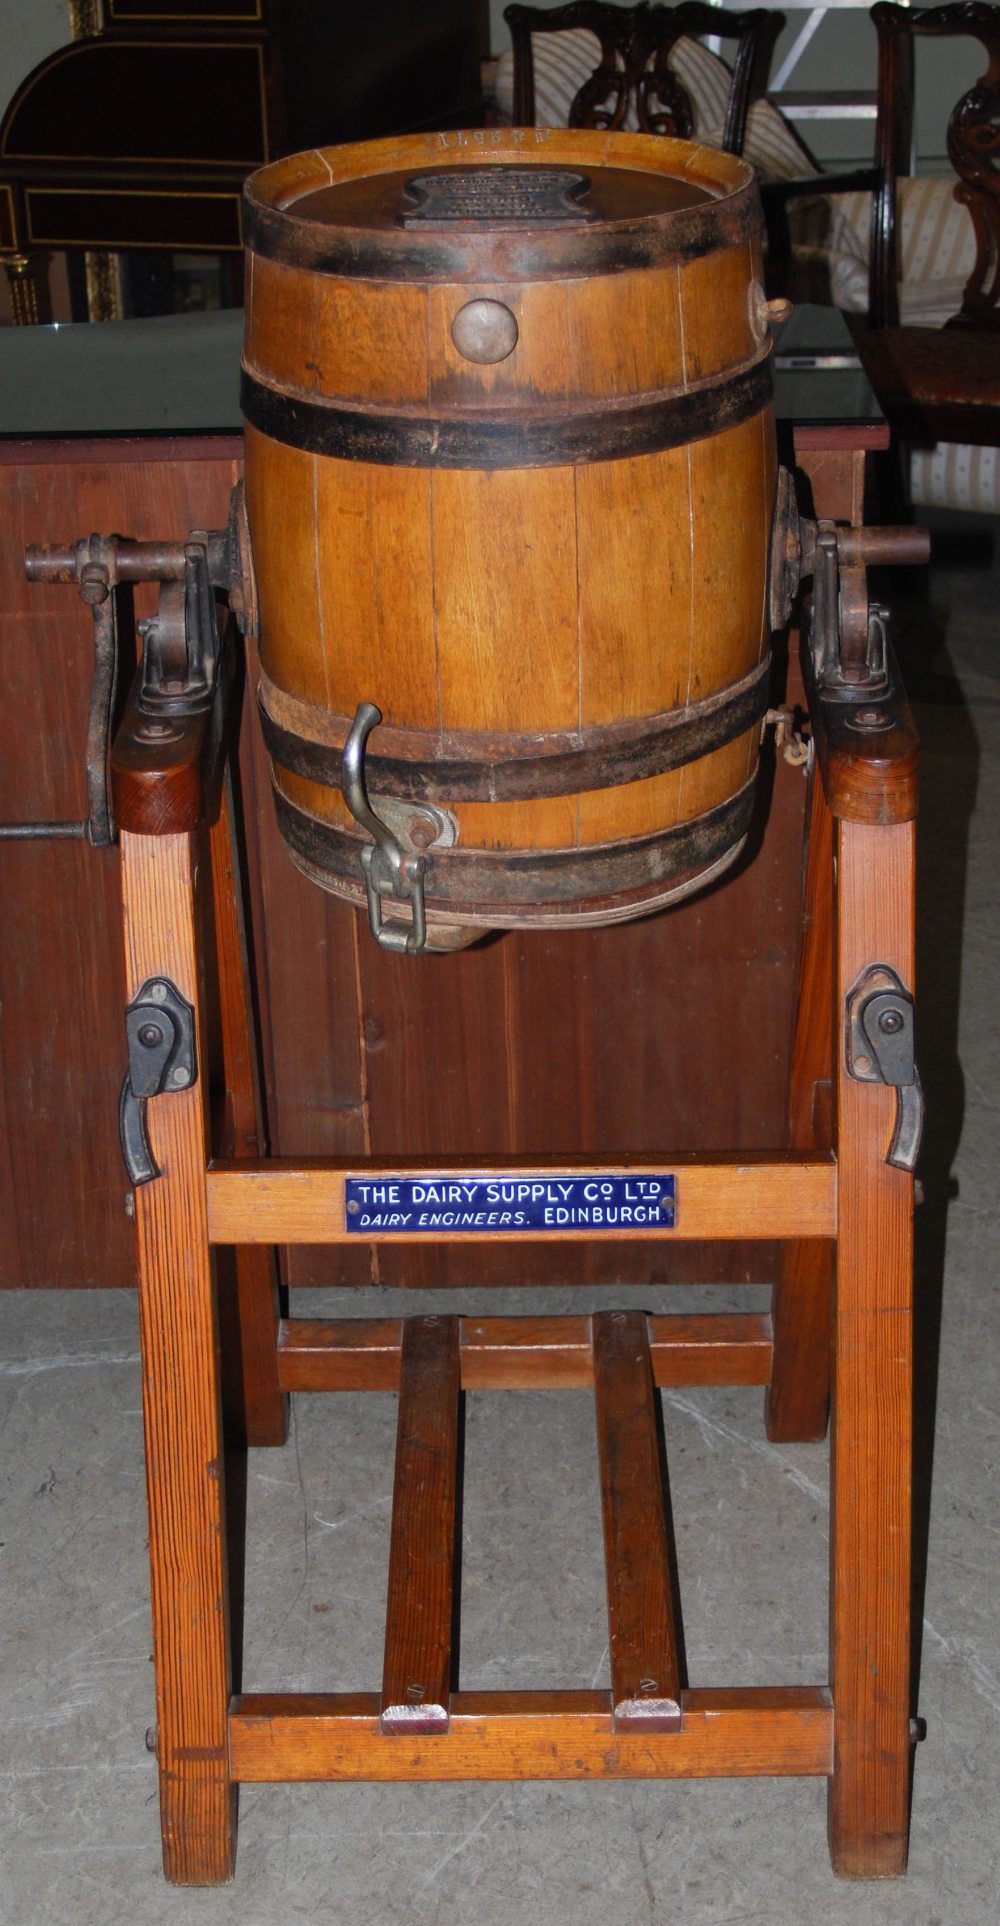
[(157, 993), (484, 331), (353, 1206), (152, 730), (890, 1022), (869, 718), (151, 1737), (422, 832), (179, 1078), (150, 1035), (648, 1685), (415, 1692)]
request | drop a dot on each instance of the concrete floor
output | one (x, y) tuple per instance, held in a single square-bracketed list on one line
[(79, 1817)]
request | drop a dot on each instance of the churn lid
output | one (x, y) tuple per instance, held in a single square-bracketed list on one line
[(539, 200)]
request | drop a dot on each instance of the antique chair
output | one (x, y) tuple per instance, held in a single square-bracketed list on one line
[(939, 385), (589, 64), (915, 261)]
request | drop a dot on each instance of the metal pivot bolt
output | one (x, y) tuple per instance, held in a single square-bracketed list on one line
[(880, 1050), (386, 866)]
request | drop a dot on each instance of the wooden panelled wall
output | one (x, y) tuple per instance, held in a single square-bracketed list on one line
[(670, 1032)]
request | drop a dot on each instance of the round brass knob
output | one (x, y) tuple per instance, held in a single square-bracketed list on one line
[(484, 331)]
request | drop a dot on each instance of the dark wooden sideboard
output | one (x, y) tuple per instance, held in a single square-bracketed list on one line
[(140, 136), (669, 1032)]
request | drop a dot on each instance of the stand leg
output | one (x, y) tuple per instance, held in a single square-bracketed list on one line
[(181, 1400), (256, 1408), (798, 1395), (872, 1418)]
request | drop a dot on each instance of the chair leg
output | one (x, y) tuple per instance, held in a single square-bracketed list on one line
[(256, 1408), (181, 1400), (872, 1418), (798, 1396)]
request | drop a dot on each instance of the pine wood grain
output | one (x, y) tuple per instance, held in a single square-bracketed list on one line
[(301, 1203), (645, 1669), (872, 1394), (524, 1353), (768, 1732), (181, 1401)]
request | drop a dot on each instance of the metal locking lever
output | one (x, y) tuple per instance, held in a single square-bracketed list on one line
[(386, 865), (159, 1027), (880, 1050)]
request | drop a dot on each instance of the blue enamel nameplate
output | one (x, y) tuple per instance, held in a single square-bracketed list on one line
[(526, 1202)]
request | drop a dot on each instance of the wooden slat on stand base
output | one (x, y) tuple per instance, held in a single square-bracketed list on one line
[(523, 1353), (416, 1681), (767, 1732), (645, 1668)]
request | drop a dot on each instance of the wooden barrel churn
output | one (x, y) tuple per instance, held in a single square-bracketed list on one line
[(510, 474)]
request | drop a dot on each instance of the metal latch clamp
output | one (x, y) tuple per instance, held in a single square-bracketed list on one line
[(880, 1049), (385, 864), (159, 1028)]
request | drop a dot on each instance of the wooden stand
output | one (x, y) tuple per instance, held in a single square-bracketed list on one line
[(841, 1212)]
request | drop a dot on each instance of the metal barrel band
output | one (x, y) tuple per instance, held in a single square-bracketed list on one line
[(612, 247), (513, 879), (533, 438), (424, 767)]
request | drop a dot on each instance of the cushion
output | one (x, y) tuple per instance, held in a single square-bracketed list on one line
[(937, 247)]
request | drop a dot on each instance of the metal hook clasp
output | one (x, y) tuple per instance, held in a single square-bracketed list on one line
[(385, 864)]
